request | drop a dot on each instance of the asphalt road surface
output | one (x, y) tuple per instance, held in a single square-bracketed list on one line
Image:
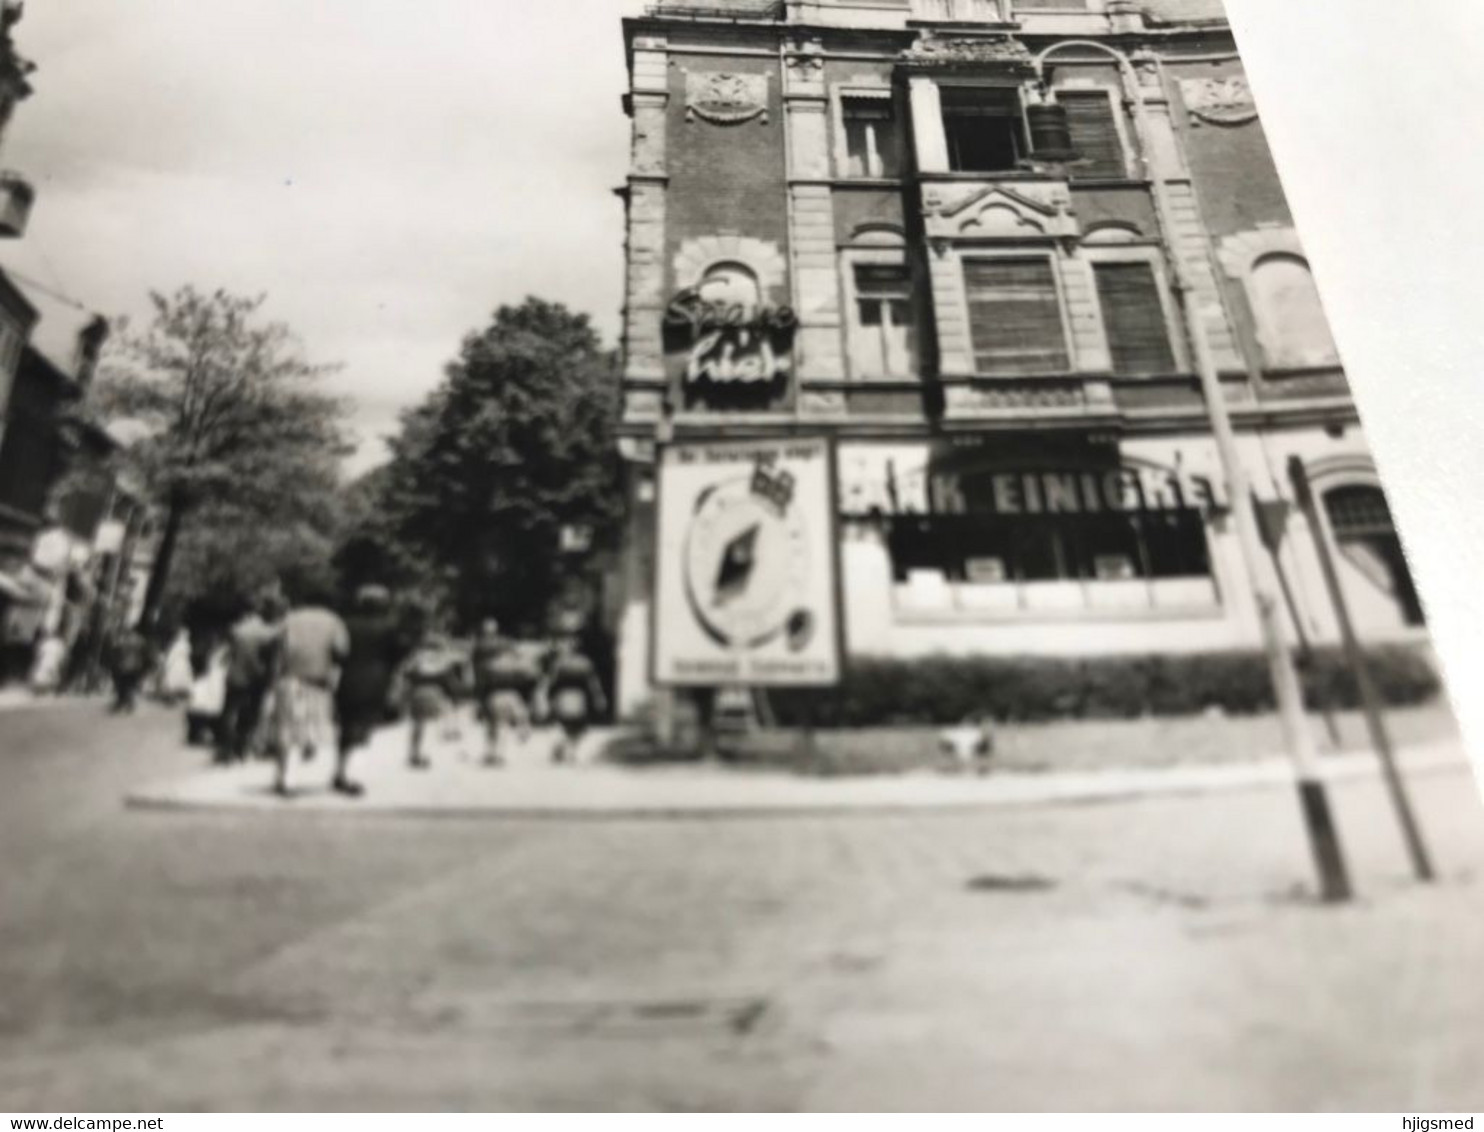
[(1152, 955)]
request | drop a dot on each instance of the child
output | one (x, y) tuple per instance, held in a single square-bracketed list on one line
[(575, 695)]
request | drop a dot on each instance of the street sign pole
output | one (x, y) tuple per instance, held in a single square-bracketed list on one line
[(1370, 701), (1324, 841), (1272, 520)]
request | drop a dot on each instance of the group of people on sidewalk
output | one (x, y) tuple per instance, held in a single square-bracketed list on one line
[(305, 681), (513, 687)]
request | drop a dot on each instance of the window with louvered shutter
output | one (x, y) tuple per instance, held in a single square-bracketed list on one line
[(1015, 319), (1138, 337), (1094, 135)]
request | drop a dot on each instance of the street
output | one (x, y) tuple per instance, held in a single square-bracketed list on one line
[(1153, 954)]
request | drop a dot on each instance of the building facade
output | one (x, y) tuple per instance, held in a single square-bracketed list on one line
[(967, 238)]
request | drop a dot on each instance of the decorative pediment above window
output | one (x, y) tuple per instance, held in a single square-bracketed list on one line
[(997, 211)]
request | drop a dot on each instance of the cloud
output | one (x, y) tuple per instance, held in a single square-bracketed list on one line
[(387, 173)]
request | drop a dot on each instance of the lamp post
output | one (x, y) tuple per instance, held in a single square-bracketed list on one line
[(1324, 842)]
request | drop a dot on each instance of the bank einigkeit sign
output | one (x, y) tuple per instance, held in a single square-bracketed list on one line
[(746, 586)]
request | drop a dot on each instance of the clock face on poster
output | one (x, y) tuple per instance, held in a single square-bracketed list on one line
[(746, 555)]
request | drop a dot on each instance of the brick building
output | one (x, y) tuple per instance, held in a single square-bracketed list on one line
[(962, 237)]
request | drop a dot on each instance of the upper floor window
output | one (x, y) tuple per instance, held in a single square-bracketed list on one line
[(984, 129), (1094, 128), (961, 11), (1134, 317), (883, 338), (1291, 319), (873, 140), (1015, 318)]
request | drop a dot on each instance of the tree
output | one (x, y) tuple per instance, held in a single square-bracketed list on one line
[(515, 444), (239, 436)]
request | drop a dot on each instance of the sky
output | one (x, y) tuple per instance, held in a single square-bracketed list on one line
[(387, 172)]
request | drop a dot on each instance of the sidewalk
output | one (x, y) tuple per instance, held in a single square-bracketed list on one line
[(18, 697), (457, 785)]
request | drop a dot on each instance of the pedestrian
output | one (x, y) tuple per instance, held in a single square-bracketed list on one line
[(207, 699), (376, 649), (507, 678), (50, 662), (575, 694), (129, 662), (252, 645), (314, 646), (433, 679), (175, 680)]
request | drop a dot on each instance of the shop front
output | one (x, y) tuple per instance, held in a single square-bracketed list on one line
[(1037, 544)]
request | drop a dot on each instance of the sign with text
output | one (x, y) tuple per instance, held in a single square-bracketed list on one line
[(746, 570), (731, 350)]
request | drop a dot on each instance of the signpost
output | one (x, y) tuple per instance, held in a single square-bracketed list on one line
[(747, 586)]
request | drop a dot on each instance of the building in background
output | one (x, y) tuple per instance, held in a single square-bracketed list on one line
[(70, 528), (942, 232), (17, 316)]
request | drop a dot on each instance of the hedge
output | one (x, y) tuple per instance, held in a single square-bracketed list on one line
[(938, 689)]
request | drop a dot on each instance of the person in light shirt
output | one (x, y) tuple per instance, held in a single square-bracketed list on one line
[(315, 645)]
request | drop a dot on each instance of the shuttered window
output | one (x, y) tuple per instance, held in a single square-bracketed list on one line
[(1138, 337), (1015, 318), (1094, 135)]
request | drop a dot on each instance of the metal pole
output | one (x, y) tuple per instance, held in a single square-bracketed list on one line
[(1370, 701), (1324, 840), (1305, 649)]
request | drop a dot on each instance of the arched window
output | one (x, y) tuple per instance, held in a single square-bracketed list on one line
[(1291, 321), (1362, 525)]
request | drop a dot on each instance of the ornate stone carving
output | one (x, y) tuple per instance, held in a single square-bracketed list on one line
[(1221, 102), (989, 210), (805, 54), (725, 97), (762, 257), (977, 51)]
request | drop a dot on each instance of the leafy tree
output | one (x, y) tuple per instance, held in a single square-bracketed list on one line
[(516, 444), (241, 441)]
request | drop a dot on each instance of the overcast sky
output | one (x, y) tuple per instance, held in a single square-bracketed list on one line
[(387, 171)]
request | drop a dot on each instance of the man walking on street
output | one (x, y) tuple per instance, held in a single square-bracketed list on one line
[(376, 651), (504, 684), (316, 644), (251, 647), (128, 663)]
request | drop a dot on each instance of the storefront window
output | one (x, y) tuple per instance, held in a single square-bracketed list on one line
[(984, 549)]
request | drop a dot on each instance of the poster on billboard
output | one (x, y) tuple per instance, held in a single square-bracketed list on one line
[(747, 568)]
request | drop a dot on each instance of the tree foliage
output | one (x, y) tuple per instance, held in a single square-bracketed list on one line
[(241, 446), (515, 444)]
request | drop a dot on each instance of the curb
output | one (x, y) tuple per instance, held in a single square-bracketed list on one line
[(781, 796)]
